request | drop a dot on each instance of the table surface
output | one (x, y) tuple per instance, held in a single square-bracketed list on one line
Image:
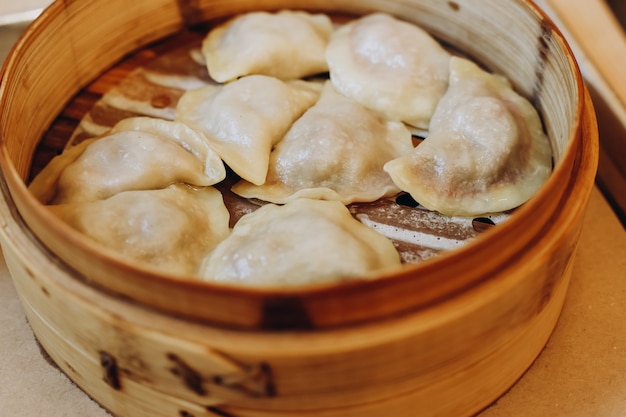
[(580, 373)]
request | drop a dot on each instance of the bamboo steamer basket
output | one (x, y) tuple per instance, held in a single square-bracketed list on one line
[(443, 338)]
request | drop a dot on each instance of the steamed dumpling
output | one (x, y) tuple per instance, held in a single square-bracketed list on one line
[(171, 229), (245, 118), (486, 151), (335, 151), (285, 45), (390, 66), (137, 154), (303, 242)]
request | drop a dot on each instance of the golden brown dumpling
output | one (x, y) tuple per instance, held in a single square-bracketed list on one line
[(486, 151)]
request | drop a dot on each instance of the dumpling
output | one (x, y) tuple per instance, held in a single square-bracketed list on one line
[(285, 45), (303, 242), (486, 151), (171, 229), (390, 66), (335, 151), (137, 154), (245, 118)]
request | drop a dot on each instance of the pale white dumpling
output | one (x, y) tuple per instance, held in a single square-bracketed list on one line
[(171, 229), (303, 242), (286, 45), (137, 154), (486, 151), (390, 66), (335, 151), (245, 118)]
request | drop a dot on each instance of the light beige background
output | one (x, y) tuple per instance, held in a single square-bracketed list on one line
[(8, 7)]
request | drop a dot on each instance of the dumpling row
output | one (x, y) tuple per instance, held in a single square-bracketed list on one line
[(485, 149), (145, 188), (291, 144)]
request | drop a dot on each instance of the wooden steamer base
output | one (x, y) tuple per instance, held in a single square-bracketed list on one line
[(452, 359), (136, 362), (445, 338)]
